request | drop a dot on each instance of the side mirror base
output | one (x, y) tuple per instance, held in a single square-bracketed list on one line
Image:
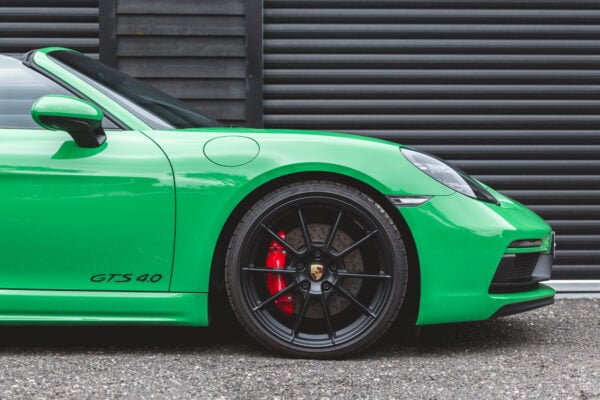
[(80, 131), (81, 119)]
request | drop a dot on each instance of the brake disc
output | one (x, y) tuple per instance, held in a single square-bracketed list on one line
[(353, 262)]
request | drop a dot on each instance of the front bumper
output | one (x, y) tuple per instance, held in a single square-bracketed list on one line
[(460, 243)]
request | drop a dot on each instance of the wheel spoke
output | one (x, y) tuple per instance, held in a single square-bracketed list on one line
[(333, 231), (354, 245), (304, 230), (270, 270), (281, 241), (360, 305), (275, 296), (306, 302), (327, 317), (347, 274)]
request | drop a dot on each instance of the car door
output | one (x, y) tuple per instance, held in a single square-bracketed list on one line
[(73, 218)]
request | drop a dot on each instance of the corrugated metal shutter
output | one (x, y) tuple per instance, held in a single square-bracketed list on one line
[(31, 24), (508, 90)]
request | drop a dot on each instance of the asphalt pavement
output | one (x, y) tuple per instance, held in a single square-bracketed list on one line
[(550, 353)]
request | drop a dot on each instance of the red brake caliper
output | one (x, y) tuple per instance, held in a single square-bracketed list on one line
[(277, 282)]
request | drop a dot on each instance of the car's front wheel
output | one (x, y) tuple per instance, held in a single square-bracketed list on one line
[(316, 269)]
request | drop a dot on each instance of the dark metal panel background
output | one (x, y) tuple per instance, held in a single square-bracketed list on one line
[(254, 63), (30, 24), (507, 90), (108, 32), (193, 50)]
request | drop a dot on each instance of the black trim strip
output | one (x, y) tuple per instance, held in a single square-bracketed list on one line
[(516, 308)]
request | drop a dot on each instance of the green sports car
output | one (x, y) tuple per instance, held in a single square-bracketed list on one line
[(122, 205)]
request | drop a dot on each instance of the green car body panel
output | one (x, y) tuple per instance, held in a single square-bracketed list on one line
[(155, 203)]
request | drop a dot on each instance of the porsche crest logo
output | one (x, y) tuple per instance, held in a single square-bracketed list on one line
[(316, 271)]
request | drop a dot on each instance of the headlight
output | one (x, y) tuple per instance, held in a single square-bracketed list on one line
[(448, 176)]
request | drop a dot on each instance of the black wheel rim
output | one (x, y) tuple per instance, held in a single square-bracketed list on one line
[(362, 309)]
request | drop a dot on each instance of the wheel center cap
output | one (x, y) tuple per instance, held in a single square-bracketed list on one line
[(316, 271)]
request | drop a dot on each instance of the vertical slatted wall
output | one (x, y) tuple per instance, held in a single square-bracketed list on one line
[(193, 50), (508, 90), (29, 24)]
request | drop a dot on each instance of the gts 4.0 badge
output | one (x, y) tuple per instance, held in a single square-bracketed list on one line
[(124, 278)]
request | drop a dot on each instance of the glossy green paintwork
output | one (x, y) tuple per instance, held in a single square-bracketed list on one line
[(56, 105), (199, 182), (69, 213), (156, 202)]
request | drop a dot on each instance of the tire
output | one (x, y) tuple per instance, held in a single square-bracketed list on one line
[(364, 269)]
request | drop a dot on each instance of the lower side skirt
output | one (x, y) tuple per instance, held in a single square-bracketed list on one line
[(46, 307)]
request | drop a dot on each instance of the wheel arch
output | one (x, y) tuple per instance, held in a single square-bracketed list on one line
[(217, 294)]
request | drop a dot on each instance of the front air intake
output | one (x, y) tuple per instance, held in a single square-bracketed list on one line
[(521, 272)]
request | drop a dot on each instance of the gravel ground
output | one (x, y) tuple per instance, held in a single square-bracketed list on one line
[(550, 353)]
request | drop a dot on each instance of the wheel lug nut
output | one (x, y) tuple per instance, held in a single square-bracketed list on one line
[(333, 267), (326, 286), (318, 253), (305, 285)]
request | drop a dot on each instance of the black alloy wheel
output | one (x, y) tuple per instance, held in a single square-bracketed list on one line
[(345, 271)]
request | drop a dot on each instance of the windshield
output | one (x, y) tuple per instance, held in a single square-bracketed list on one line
[(157, 109)]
